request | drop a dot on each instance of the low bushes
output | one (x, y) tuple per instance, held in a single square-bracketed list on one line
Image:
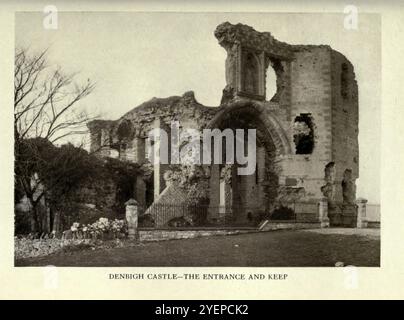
[(103, 228), (102, 233), (29, 248)]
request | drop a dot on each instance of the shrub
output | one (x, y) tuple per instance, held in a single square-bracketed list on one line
[(25, 247), (102, 228)]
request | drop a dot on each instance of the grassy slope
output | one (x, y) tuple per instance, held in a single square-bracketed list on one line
[(280, 248)]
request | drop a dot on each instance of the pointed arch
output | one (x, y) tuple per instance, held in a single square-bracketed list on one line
[(267, 122)]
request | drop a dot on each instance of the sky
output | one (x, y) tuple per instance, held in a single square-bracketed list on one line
[(133, 57)]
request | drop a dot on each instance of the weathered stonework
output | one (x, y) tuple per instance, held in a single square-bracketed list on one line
[(307, 133)]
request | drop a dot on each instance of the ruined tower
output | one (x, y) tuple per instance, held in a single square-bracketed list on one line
[(314, 109)]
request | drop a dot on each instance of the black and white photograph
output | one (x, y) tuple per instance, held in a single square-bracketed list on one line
[(171, 139)]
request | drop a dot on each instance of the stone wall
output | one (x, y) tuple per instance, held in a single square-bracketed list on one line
[(308, 85), (159, 235), (311, 95), (345, 120), (285, 225)]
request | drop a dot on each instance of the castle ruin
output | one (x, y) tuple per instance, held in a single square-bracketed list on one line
[(307, 132)]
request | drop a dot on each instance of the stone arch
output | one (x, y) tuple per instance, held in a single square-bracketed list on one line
[(244, 197), (268, 122)]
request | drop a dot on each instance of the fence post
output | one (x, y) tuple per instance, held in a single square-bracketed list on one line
[(323, 213), (361, 220), (131, 218)]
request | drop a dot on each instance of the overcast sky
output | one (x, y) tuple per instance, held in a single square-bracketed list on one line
[(133, 57)]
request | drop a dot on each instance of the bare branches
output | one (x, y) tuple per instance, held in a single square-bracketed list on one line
[(47, 109), (46, 101)]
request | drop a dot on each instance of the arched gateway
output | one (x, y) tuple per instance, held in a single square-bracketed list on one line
[(238, 197)]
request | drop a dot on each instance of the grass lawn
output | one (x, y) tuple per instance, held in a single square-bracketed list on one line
[(308, 248)]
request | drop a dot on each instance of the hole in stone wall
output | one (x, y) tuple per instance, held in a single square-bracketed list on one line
[(275, 80), (303, 136), (329, 172), (329, 177), (270, 83)]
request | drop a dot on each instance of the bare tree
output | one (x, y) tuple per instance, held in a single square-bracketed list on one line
[(45, 99), (46, 109)]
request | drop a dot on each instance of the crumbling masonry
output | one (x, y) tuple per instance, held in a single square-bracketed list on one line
[(307, 132)]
